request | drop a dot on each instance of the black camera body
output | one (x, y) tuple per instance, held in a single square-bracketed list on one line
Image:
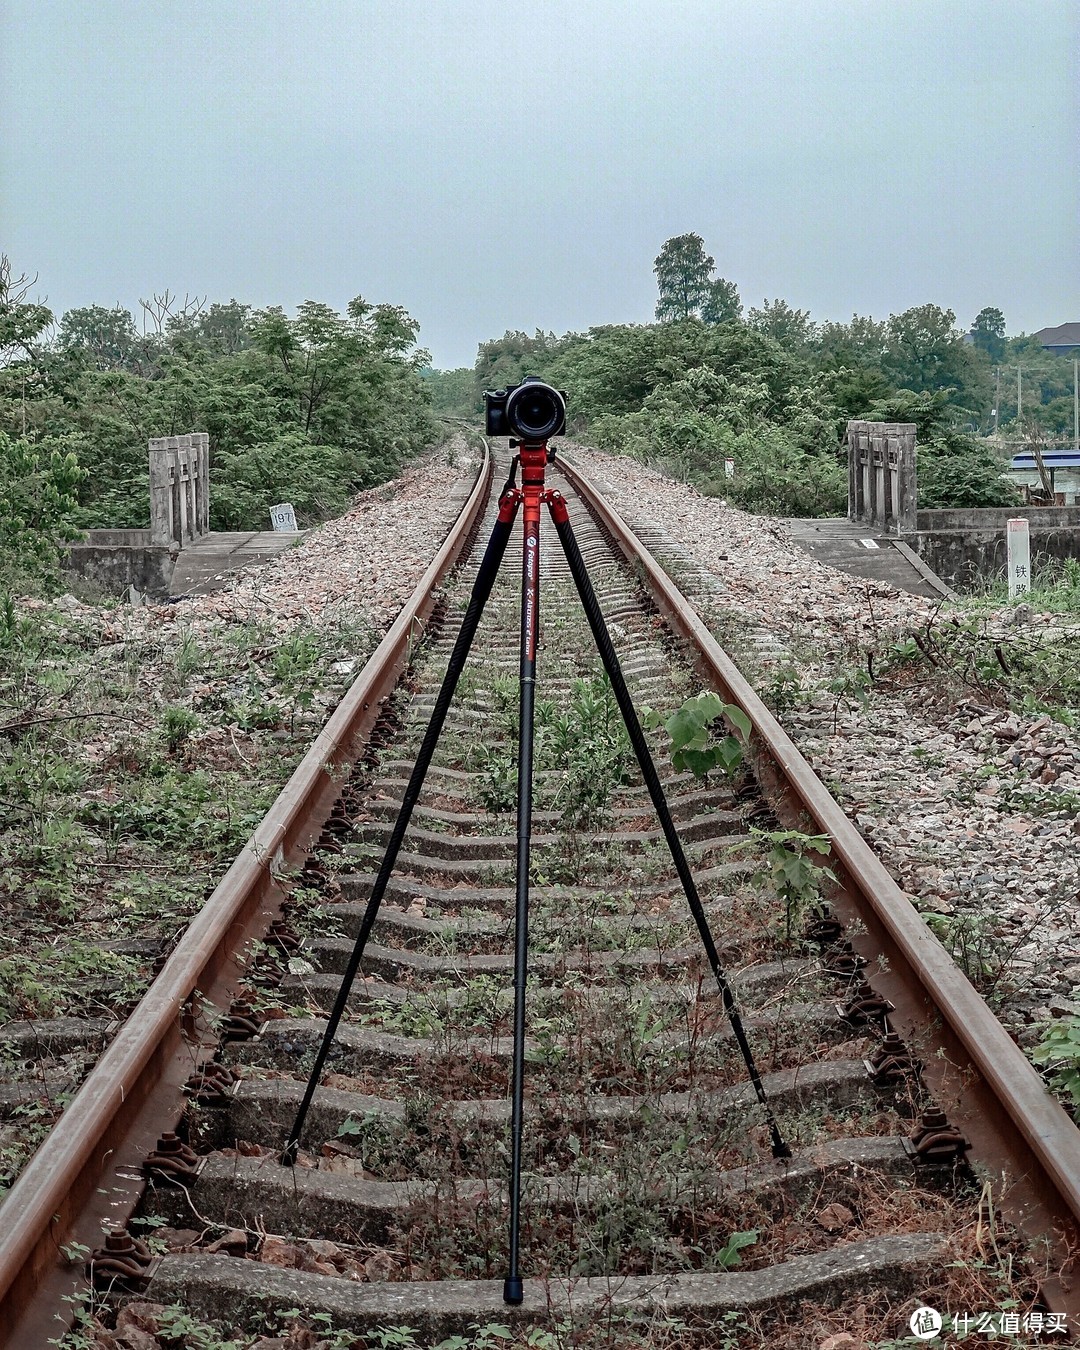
[(532, 411)]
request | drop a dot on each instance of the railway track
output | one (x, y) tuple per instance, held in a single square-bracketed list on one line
[(925, 1150)]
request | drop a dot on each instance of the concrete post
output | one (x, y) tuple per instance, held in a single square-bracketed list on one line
[(879, 505), (201, 440), (905, 476), (182, 489), (858, 438), (160, 494), (1018, 548)]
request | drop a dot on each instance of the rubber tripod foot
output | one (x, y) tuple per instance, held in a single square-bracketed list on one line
[(514, 1290)]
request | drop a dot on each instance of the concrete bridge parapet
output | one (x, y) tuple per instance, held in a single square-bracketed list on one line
[(968, 547), (881, 475), (962, 547), (177, 555), (179, 489)]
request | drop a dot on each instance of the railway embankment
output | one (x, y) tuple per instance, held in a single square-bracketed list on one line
[(631, 1067), (950, 732)]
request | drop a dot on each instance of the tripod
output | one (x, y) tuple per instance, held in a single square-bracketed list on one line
[(533, 459)]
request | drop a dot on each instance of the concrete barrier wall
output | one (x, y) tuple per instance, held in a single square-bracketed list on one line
[(115, 562), (996, 517), (965, 559), (118, 538)]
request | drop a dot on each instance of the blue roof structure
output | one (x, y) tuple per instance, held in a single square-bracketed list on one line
[(1053, 459)]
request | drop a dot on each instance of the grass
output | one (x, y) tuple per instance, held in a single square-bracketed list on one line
[(134, 763), (1055, 589)]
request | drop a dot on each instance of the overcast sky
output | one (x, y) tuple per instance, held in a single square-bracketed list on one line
[(494, 164)]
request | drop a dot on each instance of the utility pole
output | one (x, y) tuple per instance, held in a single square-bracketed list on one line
[(1076, 405), (1019, 399), (997, 400)]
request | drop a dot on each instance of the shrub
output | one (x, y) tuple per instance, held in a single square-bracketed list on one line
[(956, 470), (38, 483)]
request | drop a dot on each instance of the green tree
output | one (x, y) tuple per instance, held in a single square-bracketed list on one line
[(919, 346), (22, 321), (106, 339), (613, 368), (38, 485), (24, 324), (858, 345), (722, 303), (956, 470), (225, 329), (505, 361), (683, 277), (777, 476), (929, 411), (781, 434), (688, 289), (337, 397), (988, 332), (925, 351), (452, 392), (792, 328), (344, 375), (314, 478)]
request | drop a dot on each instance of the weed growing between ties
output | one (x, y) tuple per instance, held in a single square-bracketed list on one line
[(977, 1280), (581, 751)]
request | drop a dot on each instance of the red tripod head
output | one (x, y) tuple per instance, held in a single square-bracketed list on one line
[(533, 460)]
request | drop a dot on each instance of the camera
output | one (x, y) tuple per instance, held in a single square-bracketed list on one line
[(532, 411)]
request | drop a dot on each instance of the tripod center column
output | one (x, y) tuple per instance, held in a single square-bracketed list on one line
[(533, 462)]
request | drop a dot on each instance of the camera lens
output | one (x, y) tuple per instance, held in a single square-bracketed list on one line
[(535, 412)]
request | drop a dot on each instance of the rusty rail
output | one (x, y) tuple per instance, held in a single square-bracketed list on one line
[(124, 1105), (1027, 1144)]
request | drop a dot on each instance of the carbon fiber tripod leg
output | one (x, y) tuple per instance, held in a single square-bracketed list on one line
[(608, 656), (485, 579)]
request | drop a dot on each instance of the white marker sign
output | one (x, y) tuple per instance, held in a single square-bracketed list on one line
[(1019, 549), (729, 468), (283, 518)]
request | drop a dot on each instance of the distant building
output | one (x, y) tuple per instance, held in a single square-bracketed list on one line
[(1063, 467), (1063, 340)]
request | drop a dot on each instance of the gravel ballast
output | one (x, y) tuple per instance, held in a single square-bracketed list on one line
[(971, 807)]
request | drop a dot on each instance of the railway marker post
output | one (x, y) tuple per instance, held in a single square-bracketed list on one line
[(1018, 547), (283, 518)]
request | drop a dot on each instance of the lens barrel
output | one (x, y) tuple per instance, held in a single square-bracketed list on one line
[(535, 411)]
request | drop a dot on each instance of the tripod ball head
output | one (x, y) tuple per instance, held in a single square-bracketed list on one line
[(532, 411)]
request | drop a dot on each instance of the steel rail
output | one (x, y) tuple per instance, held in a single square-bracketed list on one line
[(1027, 1145), (123, 1106)]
